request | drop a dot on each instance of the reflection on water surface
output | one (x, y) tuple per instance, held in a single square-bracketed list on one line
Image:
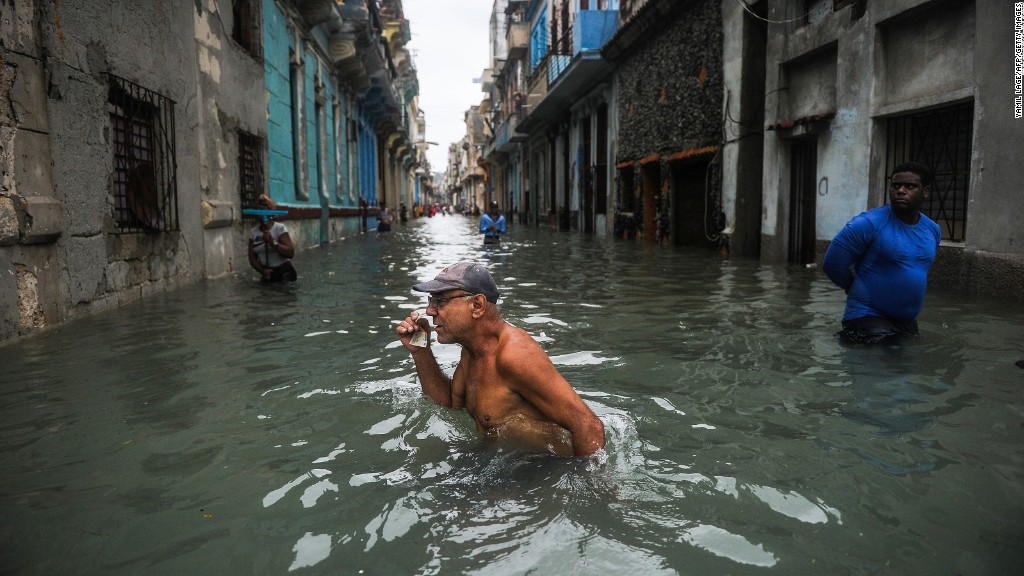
[(234, 428)]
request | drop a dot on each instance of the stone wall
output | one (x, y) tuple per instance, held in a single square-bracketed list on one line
[(670, 81), (670, 87)]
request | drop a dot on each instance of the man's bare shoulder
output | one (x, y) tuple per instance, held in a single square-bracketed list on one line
[(515, 340), (518, 353)]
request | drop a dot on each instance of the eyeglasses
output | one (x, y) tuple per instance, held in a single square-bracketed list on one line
[(438, 303)]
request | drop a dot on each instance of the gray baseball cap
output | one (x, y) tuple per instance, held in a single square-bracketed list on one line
[(468, 276)]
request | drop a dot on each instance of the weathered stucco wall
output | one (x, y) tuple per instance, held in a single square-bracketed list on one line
[(991, 261), (230, 87), (817, 70), (996, 220), (29, 211), (744, 46), (150, 44), (67, 257), (898, 58)]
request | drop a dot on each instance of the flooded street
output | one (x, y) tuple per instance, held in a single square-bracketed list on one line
[(234, 428)]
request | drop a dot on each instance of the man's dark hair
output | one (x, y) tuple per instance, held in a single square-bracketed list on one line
[(916, 168)]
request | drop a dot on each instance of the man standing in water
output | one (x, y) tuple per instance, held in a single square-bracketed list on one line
[(890, 249), (492, 224), (271, 248), (504, 380)]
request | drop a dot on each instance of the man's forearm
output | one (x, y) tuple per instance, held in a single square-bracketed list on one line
[(589, 438), (434, 382)]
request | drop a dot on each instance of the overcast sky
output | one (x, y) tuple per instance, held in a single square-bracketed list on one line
[(450, 49)]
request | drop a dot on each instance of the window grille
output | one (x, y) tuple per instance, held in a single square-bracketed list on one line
[(144, 180), (940, 139), (250, 168)]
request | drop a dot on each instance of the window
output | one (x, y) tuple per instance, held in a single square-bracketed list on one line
[(940, 139), (144, 180), (246, 29), (297, 94), (250, 168)]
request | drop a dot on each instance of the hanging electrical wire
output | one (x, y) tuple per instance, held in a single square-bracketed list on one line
[(763, 19)]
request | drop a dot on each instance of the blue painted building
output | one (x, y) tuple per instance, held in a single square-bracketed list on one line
[(340, 92)]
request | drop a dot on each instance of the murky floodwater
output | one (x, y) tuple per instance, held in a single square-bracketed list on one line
[(234, 428)]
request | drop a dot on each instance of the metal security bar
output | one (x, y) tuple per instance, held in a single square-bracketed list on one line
[(144, 181), (940, 139), (250, 168)]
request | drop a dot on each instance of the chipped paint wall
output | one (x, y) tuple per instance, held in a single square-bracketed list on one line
[(229, 82), (151, 45), (30, 215), (62, 252)]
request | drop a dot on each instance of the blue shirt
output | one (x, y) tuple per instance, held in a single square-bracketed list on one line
[(485, 225), (889, 260)]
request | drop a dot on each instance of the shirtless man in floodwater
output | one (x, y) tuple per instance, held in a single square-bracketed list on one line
[(504, 379)]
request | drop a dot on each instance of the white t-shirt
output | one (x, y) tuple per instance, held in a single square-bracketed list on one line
[(268, 255)]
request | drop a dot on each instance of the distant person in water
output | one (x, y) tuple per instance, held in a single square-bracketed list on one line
[(271, 248), (384, 219), (492, 224), (504, 380), (881, 259), (364, 213)]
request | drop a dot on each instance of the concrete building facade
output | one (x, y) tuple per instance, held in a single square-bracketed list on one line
[(760, 128), (853, 89)]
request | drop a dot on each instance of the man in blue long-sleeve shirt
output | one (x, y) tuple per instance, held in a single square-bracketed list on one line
[(881, 259), (492, 224)]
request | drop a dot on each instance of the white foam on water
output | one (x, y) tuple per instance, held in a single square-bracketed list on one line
[(581, 358), (728, 545), (310, 550), (790, 504), (274, 496), (667, 405)]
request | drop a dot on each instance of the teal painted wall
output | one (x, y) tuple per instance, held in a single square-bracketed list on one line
[(358, 166), (276, 44)]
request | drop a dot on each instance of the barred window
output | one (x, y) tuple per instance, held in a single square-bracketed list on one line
[(941, 140), (247, 26), (145, 186), (250, 168)]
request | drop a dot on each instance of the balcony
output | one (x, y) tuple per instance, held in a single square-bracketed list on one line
[(518, 36), (593, 29), (506, 137), (487, 80), (571, 68)]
